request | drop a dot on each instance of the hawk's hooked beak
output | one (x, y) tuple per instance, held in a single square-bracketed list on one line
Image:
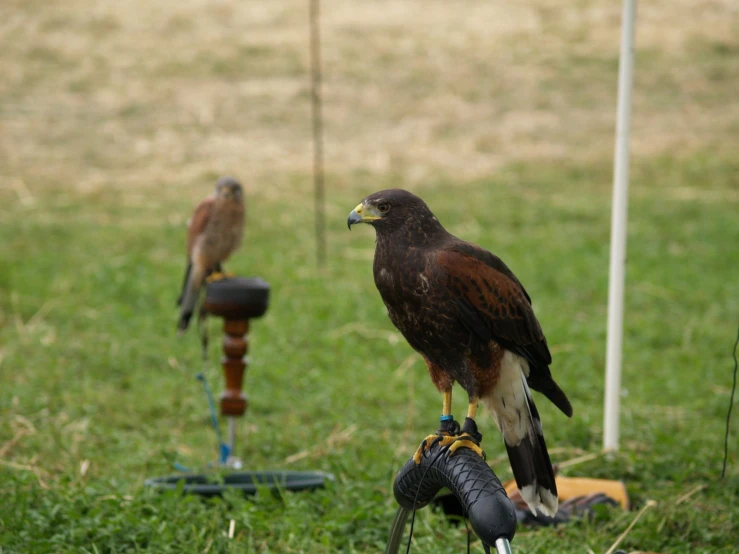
[(362, 214)]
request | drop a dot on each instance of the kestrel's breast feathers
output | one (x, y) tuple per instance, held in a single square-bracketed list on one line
[(493, 305), (199, 221), (213, 233)]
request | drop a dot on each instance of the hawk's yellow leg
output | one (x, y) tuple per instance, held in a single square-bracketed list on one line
[(445, 440), (460, 441)]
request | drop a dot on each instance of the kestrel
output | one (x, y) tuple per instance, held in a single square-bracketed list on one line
[(470, 318), (213, 233)]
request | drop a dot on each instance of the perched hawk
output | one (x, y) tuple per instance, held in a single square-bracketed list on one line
[(213, 233), (470, 318)]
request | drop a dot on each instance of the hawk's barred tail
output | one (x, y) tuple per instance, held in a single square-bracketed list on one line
[(531, 465), (195, 276), (542, 381), (514, 410)]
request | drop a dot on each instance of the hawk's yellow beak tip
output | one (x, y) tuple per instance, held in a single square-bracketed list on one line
[(360, 215), (354, 217)]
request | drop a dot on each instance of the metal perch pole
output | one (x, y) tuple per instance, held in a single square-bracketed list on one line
[(237, 301), (618, 229)]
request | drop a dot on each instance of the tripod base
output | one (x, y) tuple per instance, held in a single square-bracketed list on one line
[(248, 482)]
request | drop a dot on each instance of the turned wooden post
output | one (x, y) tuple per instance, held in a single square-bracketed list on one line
[(235, 346), (237, 301)]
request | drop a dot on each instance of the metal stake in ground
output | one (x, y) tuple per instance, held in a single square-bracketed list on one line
[(316, 104), (237, 301)]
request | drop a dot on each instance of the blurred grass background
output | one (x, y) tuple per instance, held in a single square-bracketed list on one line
[(116, 118)]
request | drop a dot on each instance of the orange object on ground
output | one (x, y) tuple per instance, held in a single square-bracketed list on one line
[(573, 487)]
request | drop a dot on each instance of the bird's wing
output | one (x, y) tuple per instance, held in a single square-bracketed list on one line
[(493, 305), (199, 220), (492, 302)]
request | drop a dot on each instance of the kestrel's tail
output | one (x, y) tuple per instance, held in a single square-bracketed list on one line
[(189, 297), (513, 408), (184, 283)]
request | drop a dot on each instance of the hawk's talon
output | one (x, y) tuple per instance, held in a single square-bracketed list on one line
[(429, 442), (451, 436), (467, 441)]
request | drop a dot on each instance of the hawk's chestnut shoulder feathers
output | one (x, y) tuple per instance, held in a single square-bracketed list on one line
[(493, 305)]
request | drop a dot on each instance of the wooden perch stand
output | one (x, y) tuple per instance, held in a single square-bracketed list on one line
[(237, 301)]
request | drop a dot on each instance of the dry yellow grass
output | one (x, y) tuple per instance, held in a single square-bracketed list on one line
[(141, 94)]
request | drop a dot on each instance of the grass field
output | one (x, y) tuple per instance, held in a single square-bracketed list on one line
[(116, 118)]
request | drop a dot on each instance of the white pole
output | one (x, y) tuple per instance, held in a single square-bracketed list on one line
[(618, 228)]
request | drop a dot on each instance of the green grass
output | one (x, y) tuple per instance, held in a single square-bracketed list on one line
[(92, 373), (116, 118)]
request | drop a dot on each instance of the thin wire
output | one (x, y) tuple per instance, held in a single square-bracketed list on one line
[(731, 405), (418, 490), (224, 450), (318, 180), (469, 533)]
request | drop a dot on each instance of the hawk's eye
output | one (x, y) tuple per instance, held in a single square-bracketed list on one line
[(383, 208)]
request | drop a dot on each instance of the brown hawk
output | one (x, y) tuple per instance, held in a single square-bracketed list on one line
[(213, 233), (470, 318)]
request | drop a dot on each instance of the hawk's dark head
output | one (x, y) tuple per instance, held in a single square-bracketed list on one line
[(392, 210)]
